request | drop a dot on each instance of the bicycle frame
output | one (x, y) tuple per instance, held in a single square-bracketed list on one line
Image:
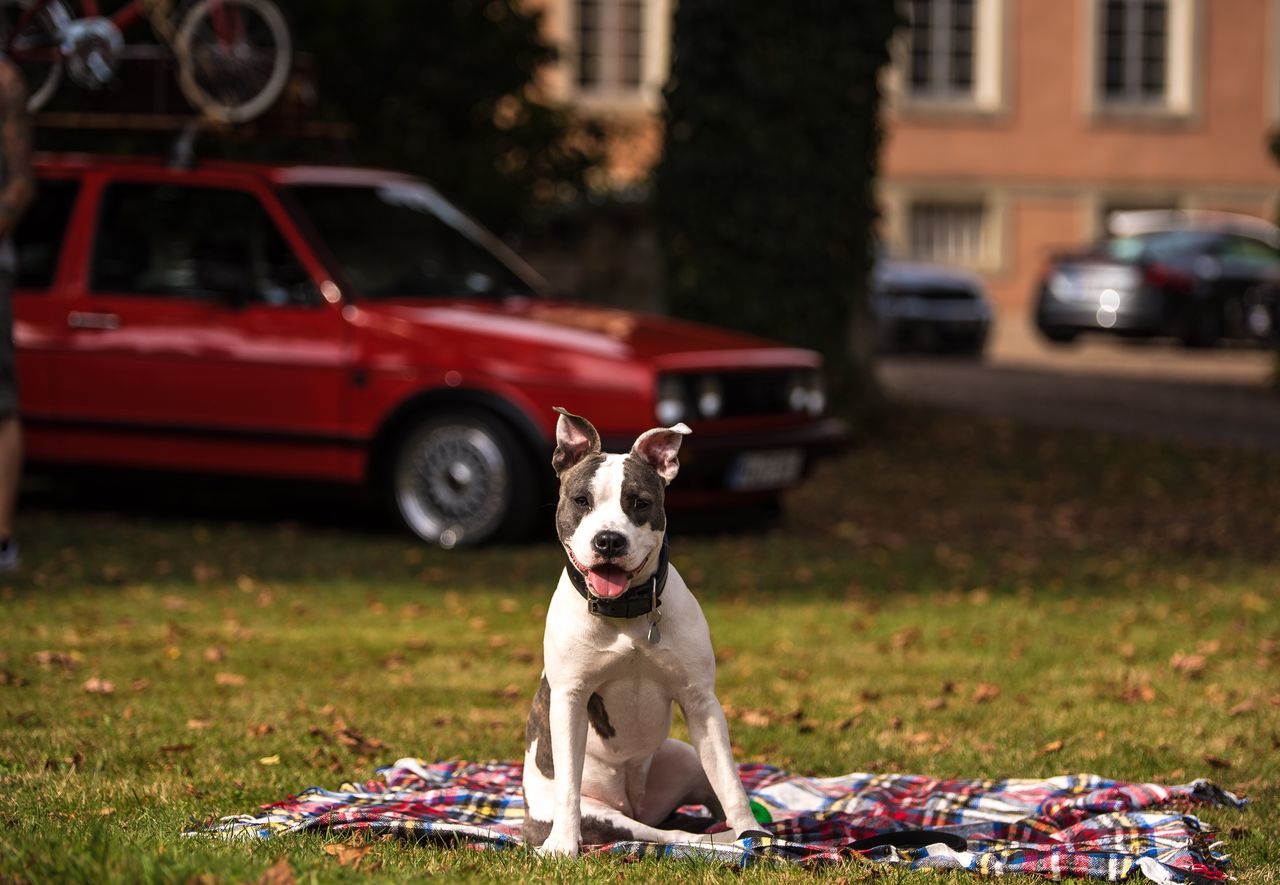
[(224, 26)]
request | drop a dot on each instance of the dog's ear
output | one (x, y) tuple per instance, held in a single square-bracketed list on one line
[(658, 448), (575, 439)]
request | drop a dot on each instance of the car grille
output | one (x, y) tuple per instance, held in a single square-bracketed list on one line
[(755, 393), (935, 293), (744, 394)]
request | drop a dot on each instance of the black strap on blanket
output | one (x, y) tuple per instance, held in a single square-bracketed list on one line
[(909, 839), (635, 602)]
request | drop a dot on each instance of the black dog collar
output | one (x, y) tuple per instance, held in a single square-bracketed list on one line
[(635, 602)]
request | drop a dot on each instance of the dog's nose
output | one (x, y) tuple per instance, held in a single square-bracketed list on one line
[(609, 544)]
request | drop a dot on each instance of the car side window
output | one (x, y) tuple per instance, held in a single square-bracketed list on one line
[(195, 242), (1247, 250), (39, 235)]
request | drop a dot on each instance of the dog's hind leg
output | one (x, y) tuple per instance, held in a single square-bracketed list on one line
[(676, 778), (602, 823)]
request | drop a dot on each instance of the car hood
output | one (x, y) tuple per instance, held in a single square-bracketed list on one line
[(549, 327), (910, 274)]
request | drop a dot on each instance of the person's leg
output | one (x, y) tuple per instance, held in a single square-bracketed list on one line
[(10, 472), (10, 429)]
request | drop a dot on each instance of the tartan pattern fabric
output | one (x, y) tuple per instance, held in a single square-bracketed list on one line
[(1073, 825)]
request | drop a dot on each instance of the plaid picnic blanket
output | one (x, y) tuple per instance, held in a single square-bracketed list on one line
[(1073, 825)]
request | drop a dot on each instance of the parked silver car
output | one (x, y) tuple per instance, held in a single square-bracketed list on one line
[(1196, 276)]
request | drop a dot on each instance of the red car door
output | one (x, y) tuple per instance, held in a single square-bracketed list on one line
[(40, 311), (201, 340)]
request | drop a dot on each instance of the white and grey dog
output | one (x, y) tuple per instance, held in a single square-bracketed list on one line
[(624, 639)]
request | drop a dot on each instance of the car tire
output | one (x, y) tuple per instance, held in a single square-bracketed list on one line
[(460, 479), (1059, 335), (1202, 327)]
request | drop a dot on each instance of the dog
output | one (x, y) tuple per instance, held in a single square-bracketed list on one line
[(624, 640)]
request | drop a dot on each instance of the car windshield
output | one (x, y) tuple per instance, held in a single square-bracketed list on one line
[(402, 239), (1161, 245)]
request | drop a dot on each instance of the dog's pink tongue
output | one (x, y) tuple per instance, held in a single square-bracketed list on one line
[(607, 581)]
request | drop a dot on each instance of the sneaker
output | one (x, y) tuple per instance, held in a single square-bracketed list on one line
[(8, 555)]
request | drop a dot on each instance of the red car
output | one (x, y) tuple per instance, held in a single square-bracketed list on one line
[(351, 325)]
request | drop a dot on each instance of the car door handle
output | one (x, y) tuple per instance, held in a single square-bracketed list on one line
[(80, 319)]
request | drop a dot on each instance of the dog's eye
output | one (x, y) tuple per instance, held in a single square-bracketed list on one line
[(640, 503), (581, 501)]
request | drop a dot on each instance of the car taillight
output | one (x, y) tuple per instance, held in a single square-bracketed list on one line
[(1166, 277)]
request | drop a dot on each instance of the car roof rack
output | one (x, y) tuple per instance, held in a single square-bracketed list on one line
[(1145, 221)]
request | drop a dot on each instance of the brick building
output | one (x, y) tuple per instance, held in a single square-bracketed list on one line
[(1014, 126)]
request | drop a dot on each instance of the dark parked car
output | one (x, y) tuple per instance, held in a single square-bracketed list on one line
[(352, 326), (929, 308), (1197, 276)]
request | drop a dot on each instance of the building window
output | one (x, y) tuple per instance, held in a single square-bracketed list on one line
[(951, 58), (1143, 55), (951, 233), (1135, 51), (609, 45), (942, 44)]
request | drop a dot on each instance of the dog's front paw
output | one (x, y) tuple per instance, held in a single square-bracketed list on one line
[(559, 845)]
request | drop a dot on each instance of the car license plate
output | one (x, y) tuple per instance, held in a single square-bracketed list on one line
[(757, 471)]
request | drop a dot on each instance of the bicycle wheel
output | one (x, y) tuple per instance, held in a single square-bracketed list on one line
[(35, 50), (234, 57)]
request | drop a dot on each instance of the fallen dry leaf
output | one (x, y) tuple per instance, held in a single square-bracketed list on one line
[(215, 654), (198, 724), (269, 760), (279, 873), (349, 737), (60, 659), (261, 729), (1189, 665), (755, 718), (229, 679), (1141, 693), (985, 691), (348, 854), (1245, 706), (1052, 747), (906, 637), (1216, 761), (94, 685)]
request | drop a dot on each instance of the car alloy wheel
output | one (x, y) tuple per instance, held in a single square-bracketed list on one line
[(454, 481)]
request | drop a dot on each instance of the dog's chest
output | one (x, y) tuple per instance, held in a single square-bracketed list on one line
[(630, 716)]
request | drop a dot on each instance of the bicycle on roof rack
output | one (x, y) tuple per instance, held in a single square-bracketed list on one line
[(233, 56)]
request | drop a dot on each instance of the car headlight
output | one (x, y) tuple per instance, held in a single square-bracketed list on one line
[(671, 406), (710, 397), (806, 393), (1060, 284)]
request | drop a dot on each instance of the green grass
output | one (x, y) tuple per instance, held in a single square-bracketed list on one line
[(1068, 571)]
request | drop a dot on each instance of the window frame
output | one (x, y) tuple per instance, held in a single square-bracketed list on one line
[(993, 27), (655, 59), (1183, 63), (44, 180), (982, 220), (897, 199), (260, 196)]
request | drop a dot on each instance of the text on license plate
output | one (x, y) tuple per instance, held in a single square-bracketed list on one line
[(755, 471)]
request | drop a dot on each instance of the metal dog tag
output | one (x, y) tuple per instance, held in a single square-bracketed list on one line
[(655, 615)]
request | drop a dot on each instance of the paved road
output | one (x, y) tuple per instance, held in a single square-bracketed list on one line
[(1222, 397)]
